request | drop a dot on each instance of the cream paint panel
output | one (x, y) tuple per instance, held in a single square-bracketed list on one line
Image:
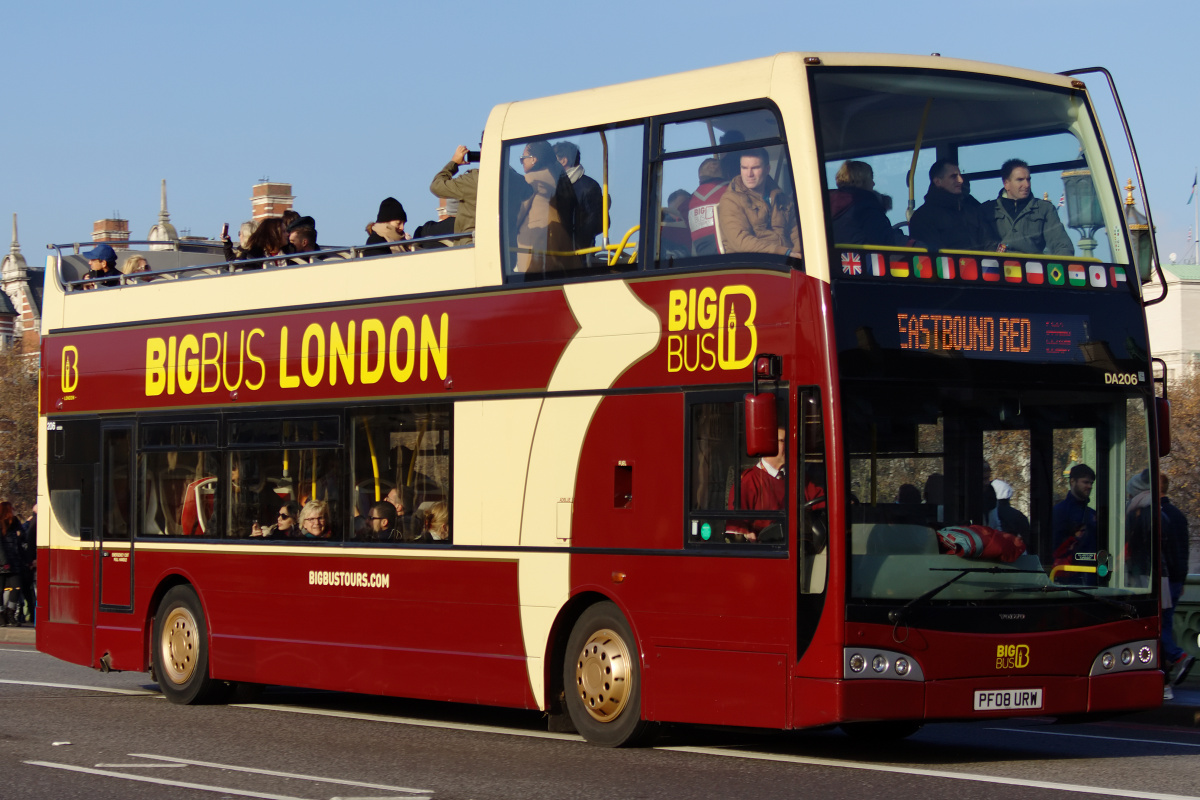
[(491, 456), (333, 281), (615, 330)]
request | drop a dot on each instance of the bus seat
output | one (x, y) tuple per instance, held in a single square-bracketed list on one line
[(198, 501)]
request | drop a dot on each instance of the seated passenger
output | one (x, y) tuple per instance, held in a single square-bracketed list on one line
[(702, 208), (589, 197), (103, 262), (408, 525), (381, 522), (950, 218), (284, 526), (437, 524), (675, 238), (545, 219), (387, 227), (270, 238), (763, 488), (1021, 222), (857, 210), (314, 520), (137, 263), (755, 215), (302, 236)]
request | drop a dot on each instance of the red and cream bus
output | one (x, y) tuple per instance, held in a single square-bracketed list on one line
[(713, 464)]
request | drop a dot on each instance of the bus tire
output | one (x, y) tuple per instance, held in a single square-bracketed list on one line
[(603, 680), (180, 649), (883, 731)]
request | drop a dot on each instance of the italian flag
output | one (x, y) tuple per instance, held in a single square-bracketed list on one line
[(945, 268)]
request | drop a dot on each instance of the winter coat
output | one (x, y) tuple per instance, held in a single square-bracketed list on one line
[(1036, 228), (14, 554), (859, 218), (947, 221), (464, 189), (544, 222), (1176, 542), (589, 207), (751, 222)]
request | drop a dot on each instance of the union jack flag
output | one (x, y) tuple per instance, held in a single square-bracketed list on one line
[(852, 263)]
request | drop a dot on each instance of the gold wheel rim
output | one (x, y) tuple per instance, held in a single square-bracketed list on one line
[(179, 646), (604, 675)]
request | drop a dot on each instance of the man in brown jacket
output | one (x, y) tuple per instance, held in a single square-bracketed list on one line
[(755, 215)]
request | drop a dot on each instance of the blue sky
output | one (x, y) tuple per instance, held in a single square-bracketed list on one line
[(357, 101)]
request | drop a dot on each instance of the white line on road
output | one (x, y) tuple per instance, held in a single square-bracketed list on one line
[(143, 766), (423, 723), (135, 692), (275, 773), (1093, 736), (18, 650), (933, 773), (162, 782)]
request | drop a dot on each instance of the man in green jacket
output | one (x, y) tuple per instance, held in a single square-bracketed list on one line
[(462, 188), (1023, 223)]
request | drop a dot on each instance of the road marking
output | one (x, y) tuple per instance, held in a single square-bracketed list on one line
[(134, 692), (163, 782), (1093, 736), (277, 774), (422, 723), (15, 650), (143, 766), (933, 773)]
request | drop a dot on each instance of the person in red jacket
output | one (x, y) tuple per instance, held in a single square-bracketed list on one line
[(763, 488)]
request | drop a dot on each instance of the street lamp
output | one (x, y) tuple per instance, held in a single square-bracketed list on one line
[(1083, 207), (1139, 232)]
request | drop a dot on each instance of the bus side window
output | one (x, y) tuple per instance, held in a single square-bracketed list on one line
[(733, 499), (707, 207), (401, 472), (572, 203)]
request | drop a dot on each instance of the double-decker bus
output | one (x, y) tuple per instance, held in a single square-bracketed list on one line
[(721, 457)]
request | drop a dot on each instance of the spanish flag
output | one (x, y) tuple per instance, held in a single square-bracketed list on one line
[(1012, 271)]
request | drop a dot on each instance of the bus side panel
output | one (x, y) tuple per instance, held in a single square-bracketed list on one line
[(713, 622), (65, 581), (441, 629), (638, 439)]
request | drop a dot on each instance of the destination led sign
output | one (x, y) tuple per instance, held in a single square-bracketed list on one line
[(1033, 337)]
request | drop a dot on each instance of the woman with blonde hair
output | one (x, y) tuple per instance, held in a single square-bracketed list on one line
[(857, 209), (437, 523), (137, 263), (314, 520)]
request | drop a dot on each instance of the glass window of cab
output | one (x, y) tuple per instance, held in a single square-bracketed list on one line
[(572, 203), (951, 162), (724, 186)]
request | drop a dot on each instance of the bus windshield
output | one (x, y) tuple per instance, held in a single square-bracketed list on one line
[(1045, 486), (877, 127)]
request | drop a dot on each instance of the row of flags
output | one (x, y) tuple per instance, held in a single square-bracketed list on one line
[(989, 270)]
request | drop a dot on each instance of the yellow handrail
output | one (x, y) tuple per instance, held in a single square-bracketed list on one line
[(912, 170), (1068, 568)]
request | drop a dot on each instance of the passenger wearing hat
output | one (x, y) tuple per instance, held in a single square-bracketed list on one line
[(302, 235), (103, 262), (388, 227)]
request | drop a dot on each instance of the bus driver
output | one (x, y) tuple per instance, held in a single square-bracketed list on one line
[(763, 488)]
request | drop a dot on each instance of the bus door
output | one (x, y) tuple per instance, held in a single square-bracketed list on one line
[(116, 522), (813, 519)]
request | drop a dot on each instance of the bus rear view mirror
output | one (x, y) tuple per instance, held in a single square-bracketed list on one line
[(762, 424), (1162, 413)]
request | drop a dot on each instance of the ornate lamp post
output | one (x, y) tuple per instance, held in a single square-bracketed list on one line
[(1083, 208), (1139, 231)]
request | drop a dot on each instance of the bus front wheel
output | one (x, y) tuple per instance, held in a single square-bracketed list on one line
[(602, 678), (180, 652)]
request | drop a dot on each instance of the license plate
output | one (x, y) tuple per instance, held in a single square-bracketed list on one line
[(1007, 699)]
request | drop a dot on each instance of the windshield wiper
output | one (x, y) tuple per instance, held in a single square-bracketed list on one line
[(1126, 609), (900, 614)]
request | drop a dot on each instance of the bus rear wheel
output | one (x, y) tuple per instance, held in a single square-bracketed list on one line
[(603, 681), (180, 651)]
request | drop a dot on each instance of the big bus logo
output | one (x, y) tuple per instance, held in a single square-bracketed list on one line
[(1012, 656), (707, 330), (70, 369)]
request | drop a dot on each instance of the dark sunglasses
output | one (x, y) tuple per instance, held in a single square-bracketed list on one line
[(284, 516)]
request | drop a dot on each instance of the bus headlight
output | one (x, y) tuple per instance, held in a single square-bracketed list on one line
[(1127, 656), (902, 666), (1107, 661), (879, 663), (884, 665), (857, 662), (1145, 654), (1137, 655)]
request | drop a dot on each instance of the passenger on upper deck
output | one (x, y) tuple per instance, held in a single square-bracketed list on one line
[(1021, 222), (314, 520), (387, 227), (302, 236), (103, 262), (270, 238), (463, 188), (437, 523), (675, 240), (137, 263), (702, 208), (546, 217), (755, 215), (950, 218), (407, 524), (857, 210), (381, 522), (284, 526), (589, 198)]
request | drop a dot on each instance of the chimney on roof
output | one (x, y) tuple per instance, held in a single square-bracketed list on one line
[(269, 199), (110, 230)]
